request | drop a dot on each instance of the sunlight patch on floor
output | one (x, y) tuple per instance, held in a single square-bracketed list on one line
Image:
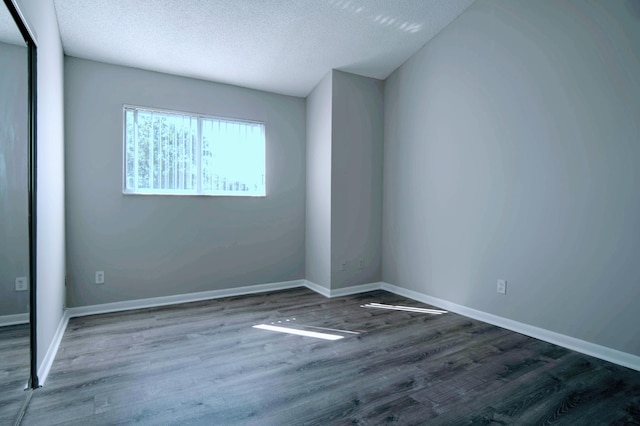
[(298, 332), (404, 308)]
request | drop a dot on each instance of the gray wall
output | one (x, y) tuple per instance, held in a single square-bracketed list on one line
[(356, 179), (51, 172), (511, 151), (153, 246), (14, 230), (344, 180), (318, 191)]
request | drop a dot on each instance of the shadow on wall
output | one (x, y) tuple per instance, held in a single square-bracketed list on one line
[(633, 6)]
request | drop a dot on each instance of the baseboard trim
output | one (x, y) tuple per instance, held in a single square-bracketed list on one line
[(47, 361), (612, 355), (317, 288), (181, 298), (345, 291), (14, 319), (356, 289)]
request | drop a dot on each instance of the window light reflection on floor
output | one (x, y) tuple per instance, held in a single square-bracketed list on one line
[(325, 336), (404, 308)]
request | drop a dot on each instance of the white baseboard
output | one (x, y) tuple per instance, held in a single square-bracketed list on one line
[(14, 319), (592, 349), (345, 291), (326, 292), (612, 355), (47, 361), (356, 289), (181, 298)]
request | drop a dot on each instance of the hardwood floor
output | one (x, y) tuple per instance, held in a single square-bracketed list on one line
[(204, 363), (14, 370)]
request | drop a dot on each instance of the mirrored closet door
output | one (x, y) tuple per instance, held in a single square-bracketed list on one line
[(17, 195)]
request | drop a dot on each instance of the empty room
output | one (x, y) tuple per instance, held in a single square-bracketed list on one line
[(319, 212)]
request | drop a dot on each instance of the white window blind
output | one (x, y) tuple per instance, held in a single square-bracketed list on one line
[(169, 152)]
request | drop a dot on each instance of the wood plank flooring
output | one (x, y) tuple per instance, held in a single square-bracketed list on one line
[(14, 370), (204, 363)]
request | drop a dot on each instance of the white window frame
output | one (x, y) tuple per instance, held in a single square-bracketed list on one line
[(198, 191)]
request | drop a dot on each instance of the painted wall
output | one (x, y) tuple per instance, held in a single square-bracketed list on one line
[(318, 191), (356, 179), (14, 145), (150, 246), (50, 175), (511, 151), (344, 180)]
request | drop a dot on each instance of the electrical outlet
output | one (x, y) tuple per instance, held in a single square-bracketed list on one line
[(343, 266), (502, 286), (99, 277), (361, 264), (22, 284)]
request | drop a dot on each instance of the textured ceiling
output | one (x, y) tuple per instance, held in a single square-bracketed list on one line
[(281, 46)]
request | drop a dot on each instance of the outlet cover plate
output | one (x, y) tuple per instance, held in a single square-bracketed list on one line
[(99, 277), (502, 286), (22, 284)]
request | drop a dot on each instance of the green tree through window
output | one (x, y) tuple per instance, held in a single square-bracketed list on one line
[(175, 153)]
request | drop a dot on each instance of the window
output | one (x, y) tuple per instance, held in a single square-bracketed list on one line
[(169, 152)]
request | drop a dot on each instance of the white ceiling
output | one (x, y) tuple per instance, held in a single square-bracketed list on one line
[(281, 46)]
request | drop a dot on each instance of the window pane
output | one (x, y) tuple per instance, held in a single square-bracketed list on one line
[(142, 147), (130, 176), (233, 157), (173, 153)]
